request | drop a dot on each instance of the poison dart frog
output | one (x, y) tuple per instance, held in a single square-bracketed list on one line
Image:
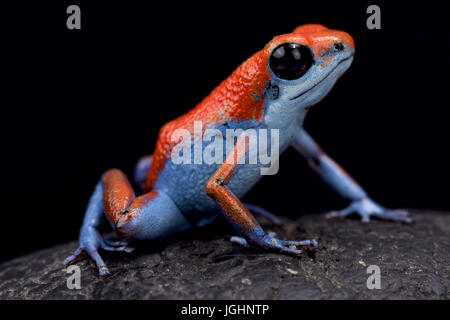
[(273, 89)]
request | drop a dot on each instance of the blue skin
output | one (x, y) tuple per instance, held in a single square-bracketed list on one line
[(182, 201)]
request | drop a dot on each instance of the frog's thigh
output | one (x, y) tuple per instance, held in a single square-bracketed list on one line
[(141, 170), (155, 216)]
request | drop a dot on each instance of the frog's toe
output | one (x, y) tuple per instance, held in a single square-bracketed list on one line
[(122, 246), (72, 258), (126, 248), (394, 215), (239, 240), (339, 214), (103, 270), (284, 246), (119, 243), (303, 243)]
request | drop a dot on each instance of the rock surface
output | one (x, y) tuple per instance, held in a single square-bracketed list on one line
[(202, 264)]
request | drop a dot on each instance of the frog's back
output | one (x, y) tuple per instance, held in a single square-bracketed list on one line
[(237, 102)]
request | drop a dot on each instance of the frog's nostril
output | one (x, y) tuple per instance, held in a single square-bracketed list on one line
[(339, 46)]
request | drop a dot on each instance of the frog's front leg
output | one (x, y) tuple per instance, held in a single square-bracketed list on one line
[(239, 216), (339, 180)]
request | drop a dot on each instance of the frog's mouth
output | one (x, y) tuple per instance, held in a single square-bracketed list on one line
[(347, 59)]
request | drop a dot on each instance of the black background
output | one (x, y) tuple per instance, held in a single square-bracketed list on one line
[(78, 102)]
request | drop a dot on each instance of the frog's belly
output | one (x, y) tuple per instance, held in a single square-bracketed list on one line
[(185, 184)]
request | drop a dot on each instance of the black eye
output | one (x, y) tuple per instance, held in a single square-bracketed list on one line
[(291, 60)]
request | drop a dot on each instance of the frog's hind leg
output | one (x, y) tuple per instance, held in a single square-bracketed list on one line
[(90, 240), (141, 170), (257, 210), (149, 216)]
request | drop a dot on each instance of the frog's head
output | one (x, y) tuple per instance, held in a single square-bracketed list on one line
[(306, 63)]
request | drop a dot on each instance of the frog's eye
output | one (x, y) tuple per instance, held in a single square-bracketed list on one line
[(290, 61)]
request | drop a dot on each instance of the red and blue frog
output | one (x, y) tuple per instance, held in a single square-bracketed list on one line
[(273, 89)]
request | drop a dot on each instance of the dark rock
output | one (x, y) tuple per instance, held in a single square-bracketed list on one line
[(203, 264)]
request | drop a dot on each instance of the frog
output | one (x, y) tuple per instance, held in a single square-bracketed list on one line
[(272, 90)]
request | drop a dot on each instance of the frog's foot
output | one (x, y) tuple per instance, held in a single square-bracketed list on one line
[(264, 213), (241, 241), (367, 208), (285, 246), (90, 242), (93, 253)]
